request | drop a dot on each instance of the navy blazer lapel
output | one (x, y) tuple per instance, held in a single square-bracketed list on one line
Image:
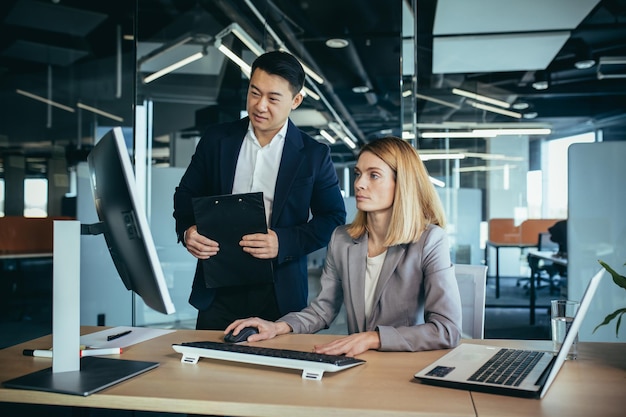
[(357, 262), (289, 164), (229, 153)]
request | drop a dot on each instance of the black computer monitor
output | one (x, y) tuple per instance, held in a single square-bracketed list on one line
[(124, 223)]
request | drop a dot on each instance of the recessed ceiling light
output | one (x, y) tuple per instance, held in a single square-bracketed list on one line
[(585, 63), (360, 89), (337, 43), (522, 105), (530, 115), (542, 80)]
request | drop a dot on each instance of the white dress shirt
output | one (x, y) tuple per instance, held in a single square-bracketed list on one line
[(257, 167)]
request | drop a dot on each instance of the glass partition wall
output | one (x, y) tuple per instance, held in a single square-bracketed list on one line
[(476, 88)]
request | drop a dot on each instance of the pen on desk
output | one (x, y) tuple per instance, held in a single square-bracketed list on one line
[(40, 353), (118, 335), (47, 353)]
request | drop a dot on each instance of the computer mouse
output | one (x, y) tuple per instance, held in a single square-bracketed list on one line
[(242, 336)]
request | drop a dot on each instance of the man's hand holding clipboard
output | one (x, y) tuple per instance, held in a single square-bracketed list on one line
[(226, 219)]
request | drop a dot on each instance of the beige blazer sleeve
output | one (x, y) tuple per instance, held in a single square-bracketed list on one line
[(416, 303)]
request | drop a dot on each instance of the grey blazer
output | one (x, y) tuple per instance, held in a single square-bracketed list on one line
[(417, 305)]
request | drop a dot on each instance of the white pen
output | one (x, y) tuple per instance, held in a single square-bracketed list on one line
[(47, 353), (40, 353), (102, 351)]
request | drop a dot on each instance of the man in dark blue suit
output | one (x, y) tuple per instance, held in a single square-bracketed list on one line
[(264, 152)]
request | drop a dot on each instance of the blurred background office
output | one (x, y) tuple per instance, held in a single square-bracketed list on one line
[(517, 108)]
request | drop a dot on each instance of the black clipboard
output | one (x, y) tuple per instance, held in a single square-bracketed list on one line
[(225, 219)]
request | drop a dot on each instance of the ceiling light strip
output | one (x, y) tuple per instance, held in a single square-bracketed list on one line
[(455, 135), (173, 67), (484, 168), (493, 156), (327, 136), (503, 132), (164, 49), (480, 97), (45, 100), (348, 142), (245, 68), (311, 73), (485, 133), (100, 112), (246, 39), (308, 92), (438, 101), (275, 36), (335, 128), (441, 156), (495, 110)]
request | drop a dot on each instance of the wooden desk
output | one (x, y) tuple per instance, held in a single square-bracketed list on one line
[(6, 255), (384, 386), (548, 256)]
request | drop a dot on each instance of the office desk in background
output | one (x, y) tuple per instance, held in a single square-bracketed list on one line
[(497, 246), (507, 233), (384, 386), (534, 274)]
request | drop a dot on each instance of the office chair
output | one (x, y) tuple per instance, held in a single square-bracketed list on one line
[(472, 281), (548, 274)]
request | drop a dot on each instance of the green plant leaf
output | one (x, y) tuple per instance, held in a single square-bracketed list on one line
[(618, 279), (610, 317), (619, 321)]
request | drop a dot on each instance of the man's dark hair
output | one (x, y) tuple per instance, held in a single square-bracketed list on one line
[(284, 65)]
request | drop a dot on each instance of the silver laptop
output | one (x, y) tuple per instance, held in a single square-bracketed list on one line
[(460, 367)]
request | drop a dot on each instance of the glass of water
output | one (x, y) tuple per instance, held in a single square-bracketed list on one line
[(563, 312)]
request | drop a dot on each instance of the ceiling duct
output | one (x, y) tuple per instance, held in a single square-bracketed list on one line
[(304, 53), (612, 67)]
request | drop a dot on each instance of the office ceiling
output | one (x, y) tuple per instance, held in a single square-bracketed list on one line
[(67, 50)]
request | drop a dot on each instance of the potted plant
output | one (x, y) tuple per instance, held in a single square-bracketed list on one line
[(620, 280)]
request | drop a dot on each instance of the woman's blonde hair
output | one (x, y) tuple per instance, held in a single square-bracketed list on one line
[(415, 204)]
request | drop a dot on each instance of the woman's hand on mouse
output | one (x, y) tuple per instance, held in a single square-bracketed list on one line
[(267, 329)]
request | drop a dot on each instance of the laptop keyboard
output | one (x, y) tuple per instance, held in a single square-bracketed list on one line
[(507, 367)]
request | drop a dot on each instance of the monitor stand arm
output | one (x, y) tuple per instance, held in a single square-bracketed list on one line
[(92, 229), (66, 296)]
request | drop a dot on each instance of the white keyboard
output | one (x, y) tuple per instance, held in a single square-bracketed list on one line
[(313, 365)]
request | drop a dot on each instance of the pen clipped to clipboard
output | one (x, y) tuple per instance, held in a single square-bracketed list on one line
[(226, 219)]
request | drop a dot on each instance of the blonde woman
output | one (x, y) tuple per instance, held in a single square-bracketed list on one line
[(390, 267)]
